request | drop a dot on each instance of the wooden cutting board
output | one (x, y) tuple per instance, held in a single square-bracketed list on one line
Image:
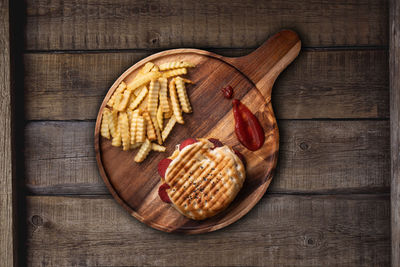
[(135, 186)]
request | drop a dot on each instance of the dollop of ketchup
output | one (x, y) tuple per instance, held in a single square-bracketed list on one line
[(247, 127), (227, 92), (162, 193)]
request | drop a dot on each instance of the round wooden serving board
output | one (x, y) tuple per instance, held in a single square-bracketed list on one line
[(135, 186)]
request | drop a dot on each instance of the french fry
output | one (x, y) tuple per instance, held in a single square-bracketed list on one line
[(154, 89), (117, 140), (113, 122), (140, 129), (155, 68), (138, 99), (176, 65), (160, 117), (104, 128), (186, 80), (130, 113), (136, 145), (174, 72), (135, 115), (124, 100), (168, 127), (163, 94), (151, 131), (137, 91), (175, 103), (168, 114), (152, 103), (143, 79), (121, 87), (143, 105), (182, 94), (117, 100), (123, 125), (146, 68), (158, 148), (157, 128), (143, 151)]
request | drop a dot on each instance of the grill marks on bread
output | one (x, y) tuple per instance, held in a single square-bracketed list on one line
[(204, 181)]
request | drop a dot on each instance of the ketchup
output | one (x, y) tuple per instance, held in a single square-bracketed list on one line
[(187, 142), (241, 157), (162, 166), (162, 193), (216, 143), (247, 127), (227, 91)]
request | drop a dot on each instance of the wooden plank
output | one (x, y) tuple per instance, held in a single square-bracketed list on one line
[(123, 24), (315, 156), (394, 65), (350, 230), (7, 195), (7, 235), (319, 84), (66, 163)]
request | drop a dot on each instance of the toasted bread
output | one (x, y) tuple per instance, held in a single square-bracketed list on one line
[(204, 180)]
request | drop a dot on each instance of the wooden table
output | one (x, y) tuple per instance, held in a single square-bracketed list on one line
[(329, 204)]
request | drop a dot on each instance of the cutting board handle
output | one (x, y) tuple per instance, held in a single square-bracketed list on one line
[(264, 65)]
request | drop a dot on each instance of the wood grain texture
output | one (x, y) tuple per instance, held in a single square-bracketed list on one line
[(266, 63), (7, 230), (394, 66), (318, 84), (135, 186), (8, 255), (352, 156), (350, 230), (123, 24)]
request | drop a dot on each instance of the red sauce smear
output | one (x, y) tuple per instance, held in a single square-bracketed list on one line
[(227, 92), (162, 166), (216, 143), (187, 142), (241, 157), (162, 193), (247, 127)]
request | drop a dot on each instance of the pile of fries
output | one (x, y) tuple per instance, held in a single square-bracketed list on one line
[(135, 113)]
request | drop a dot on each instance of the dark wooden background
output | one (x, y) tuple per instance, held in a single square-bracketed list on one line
[(329, 203)]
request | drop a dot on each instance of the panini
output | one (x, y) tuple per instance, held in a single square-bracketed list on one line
[(204, 180)]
